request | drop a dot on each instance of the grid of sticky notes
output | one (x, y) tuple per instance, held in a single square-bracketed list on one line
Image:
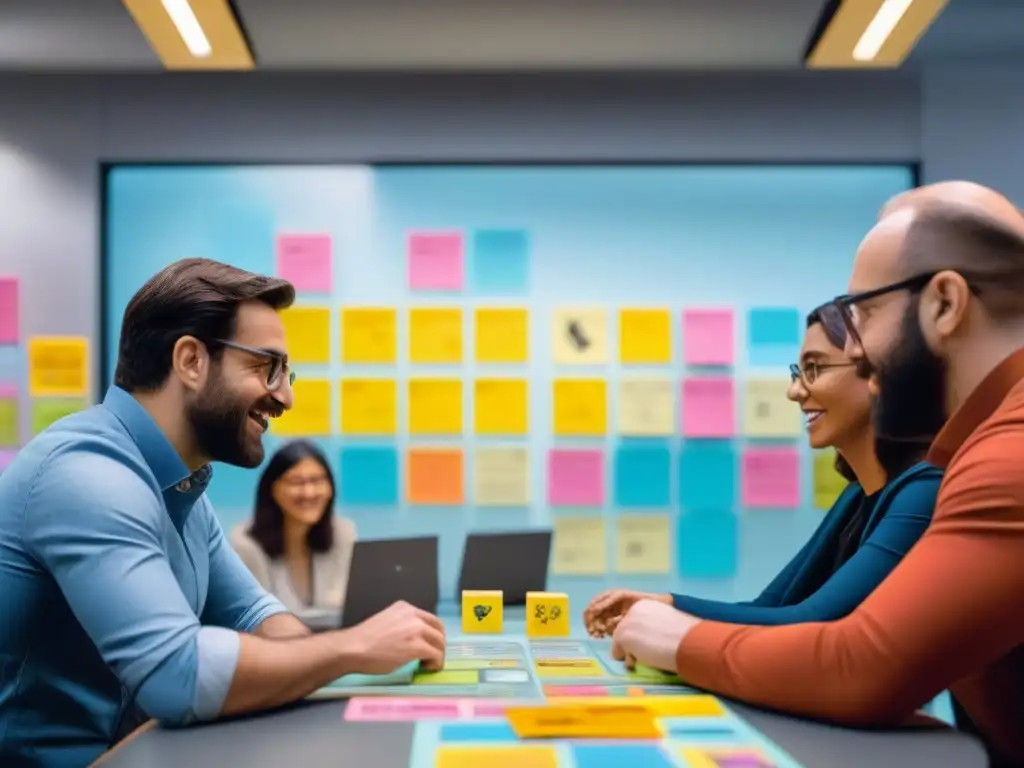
[(48, 373)]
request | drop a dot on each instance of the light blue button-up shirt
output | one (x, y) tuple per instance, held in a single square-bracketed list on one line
[(117, 588)]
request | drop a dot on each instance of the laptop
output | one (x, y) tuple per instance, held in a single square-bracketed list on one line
[(515, 563), (384, 571)]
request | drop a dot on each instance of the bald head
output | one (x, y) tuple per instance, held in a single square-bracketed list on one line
[(963, 194)]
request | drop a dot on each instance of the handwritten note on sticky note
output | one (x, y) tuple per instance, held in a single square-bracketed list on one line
[(828, 483), (308, 331), (434, 477), (310, 415), (46, 411), (369, 335), (435, 336), (643, 544), (771, 478), (9, 426), (767, 410), (646, 407), (579, 336), (369, 407), (502, 336), (708, 337), (579, 547), (435, 406), (575, 478), (502, 477), (58, 366), (501, 407), (436, 261), (709, 407), (305, 262), (580, 407), (10, 328), (645, 336)]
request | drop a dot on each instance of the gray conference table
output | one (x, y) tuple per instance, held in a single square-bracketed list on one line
[(315, 735)]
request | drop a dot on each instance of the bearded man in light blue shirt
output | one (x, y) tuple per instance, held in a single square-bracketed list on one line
[(120, 598)]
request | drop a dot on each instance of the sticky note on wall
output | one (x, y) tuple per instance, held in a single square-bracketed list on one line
[(435, 261), (310, 415), (502, 477), (369, 335), (308, 331), (47, 410), (642, 476), (709, 407), (502, 336), (369, 476), (646, 407), (575, 478), (435, 336), (435, 406), (369, 407), (773, 336), (828, 483), (707, 545), (771, 478), (643, 544), (10, 311), (708, 336), (58, 366), (579, 336), (501, 406), (767, 410), (434, 477), (580, 407), (579, 546), (501, 261), (645, 336), (10, 430), (305, 262), (707, 476)]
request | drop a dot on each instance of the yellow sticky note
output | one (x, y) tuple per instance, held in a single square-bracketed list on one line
[(512, 756), (369, 407), (695, 705), (447, 677), (308, 331), (482, 611), (500, 407), (767, 410), (435, 406), (549, 668), (580, 407), (502, 336), (645, 336), (578, 547), (47, 410), (604, 722), (10, 430), (579, 336), (310, 416), (58, 366), (828, 483), (502, 477), (643, 544), (369, 335), (435, 335), (647, 407)]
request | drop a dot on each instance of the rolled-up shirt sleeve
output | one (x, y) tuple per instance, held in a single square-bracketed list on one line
[(96, 526)]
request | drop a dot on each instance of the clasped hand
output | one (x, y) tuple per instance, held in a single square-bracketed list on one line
[(650, 633)]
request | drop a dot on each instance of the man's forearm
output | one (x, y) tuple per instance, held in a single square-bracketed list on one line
[(281, 626)]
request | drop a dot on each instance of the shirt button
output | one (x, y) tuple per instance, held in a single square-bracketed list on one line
[(184, 486)]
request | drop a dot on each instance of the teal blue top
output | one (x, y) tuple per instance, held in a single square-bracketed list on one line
[(901, 514)]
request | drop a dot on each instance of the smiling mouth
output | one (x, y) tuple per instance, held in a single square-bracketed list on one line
[(813, 416), (262, 420)]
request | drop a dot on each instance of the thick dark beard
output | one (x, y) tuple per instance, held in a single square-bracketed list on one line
[(220, 424), (911, 404)]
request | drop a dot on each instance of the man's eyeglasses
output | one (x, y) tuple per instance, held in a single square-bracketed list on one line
[(277, 365), (810, 370)]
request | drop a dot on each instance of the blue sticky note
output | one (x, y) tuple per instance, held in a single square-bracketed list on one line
[(369, 476), (707, 545), (642, 476), (500, 261), (477, 732), (618, 755), (708, 476), (774, 326)]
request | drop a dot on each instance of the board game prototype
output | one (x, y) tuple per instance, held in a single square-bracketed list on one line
[(548, 700)]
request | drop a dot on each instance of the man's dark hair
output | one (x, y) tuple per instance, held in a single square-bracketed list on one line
[(191, 297), (988, 252)]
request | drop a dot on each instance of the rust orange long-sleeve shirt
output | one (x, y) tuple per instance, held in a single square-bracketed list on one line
[(950, 616)]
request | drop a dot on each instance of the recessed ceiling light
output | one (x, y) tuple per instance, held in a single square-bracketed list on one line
[(878, 30), (189, 28)]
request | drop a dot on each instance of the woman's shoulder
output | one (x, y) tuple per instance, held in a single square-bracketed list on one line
[(243, 542), (344, 529)]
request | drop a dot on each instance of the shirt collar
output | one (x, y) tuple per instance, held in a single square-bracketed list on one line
[(168, 468), (978, 406)]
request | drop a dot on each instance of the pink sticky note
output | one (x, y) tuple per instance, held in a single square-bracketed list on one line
[(435, 261), (393, 709), (8, 390), (575, 690), (709, 407), (305, 262), (708, 336), (575, 478), (10, 331), (771, 478), (6, 457)]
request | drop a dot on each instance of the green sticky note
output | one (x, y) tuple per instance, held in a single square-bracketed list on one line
[(828, 483), (654, 675), (9, 423), (47, 410), (447, 677)]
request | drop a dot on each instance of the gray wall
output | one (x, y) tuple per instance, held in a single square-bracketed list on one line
[(54, 132)]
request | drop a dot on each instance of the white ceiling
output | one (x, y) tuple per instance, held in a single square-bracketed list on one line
[(519, 35)]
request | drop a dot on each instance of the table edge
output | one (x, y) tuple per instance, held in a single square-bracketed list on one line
[(146, 726)]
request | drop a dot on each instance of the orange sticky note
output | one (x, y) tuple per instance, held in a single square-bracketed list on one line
[(584, 722), (519, 756), (434, 476)]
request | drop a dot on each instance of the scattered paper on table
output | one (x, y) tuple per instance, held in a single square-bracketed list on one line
[(435, 406), (435, 477), (308, 331), (369, 335), (580, 407), (645, 336), (579, 336), (502, 336), (369, 476), (46, 411), (305, 262), (501, 407), (642, 476), (771, 478), (579, 547), (575, 478), (10, 429), (10, 325), (828, 483), (310, 416), (646, 407), (768, 412), (708, 336), (643, 544), (435, 261), (501, 261), (709, 407), (502, 477), (58, 366), (6, 457), (369, 407), (435, 335)]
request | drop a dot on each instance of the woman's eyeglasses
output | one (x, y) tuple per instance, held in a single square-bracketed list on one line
[(277, 366), (810, 371)]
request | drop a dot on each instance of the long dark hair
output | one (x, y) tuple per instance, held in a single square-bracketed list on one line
[(896, 457), (268, 519)]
